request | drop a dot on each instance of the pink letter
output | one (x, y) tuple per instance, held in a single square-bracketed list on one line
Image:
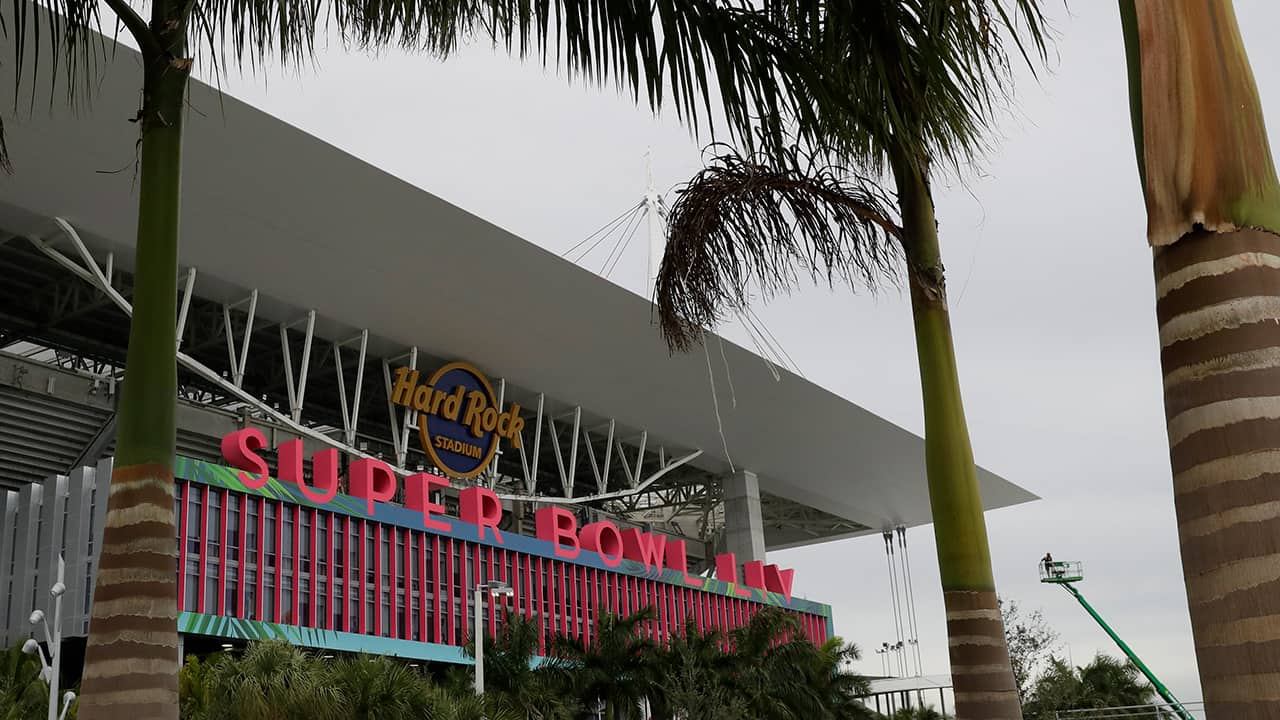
[(417, 496), (678, 559), (481, 507), (603, 538), (372, 480), (779, 580), (238, 450), (324, 465), (558, 527), (643, 547), (727, 570), (754, 574)]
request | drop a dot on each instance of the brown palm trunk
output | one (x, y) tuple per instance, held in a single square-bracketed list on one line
[(1213, 209), (1218, 305)]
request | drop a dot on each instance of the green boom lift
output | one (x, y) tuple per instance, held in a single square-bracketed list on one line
[(1067, 573)]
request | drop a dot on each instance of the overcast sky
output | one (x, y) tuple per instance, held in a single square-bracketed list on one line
[(1051, 293)]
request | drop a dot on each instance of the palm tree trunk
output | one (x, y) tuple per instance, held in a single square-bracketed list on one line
[(1213, 213), (131, 661), (980, 667)]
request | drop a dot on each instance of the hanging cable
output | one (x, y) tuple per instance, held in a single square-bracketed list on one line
[(781, 350), (733, 395), (624, 240), (908, 611), (599, 232), (759, 346), (715, 404), (911, 597), (893, 588)]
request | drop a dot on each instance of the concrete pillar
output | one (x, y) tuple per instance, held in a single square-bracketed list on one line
[(743, 529)]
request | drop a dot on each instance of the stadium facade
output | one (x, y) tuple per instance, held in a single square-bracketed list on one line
[(364, 328)]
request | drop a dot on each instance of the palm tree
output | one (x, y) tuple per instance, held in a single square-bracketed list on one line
[(195, 689), (693, 678), (1213, 215), (678, 51), (781, 675), (376, 688), (510, 671), (23, 694), (273, 680), (926, 77), (615, 668), (1106, 682)]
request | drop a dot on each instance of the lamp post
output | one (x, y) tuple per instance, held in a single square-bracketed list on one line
[(50, 667), (493, 588)]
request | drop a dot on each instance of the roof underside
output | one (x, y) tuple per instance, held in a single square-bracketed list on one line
[(267, 206)]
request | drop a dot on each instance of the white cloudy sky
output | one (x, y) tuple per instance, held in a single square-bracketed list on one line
[(1051, 290)]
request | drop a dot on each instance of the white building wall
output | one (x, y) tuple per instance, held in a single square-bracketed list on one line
[(63, 516)]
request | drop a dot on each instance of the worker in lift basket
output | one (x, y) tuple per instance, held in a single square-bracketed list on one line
[(1048, 564)]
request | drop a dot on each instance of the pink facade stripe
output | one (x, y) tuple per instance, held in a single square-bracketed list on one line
[(297, 565), (435, 574), (313, 617), (351, 563), (422, 586), (185, 494), (450, 593), (203, 533), (493, 609), (464, 579), (224, 497), (407, 631), (541, 613), (278, 574), (377, 579), (241, 611), (566, 590), (331, 575)]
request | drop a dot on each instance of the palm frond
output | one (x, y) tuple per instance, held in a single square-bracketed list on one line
[(744, 224), (926, 77)]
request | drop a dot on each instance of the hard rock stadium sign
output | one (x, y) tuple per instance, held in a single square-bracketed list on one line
[(459, 421)]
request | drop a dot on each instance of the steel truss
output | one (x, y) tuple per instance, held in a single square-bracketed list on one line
[(618, 465)]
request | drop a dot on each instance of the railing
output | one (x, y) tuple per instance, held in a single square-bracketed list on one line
[(1061, 571), (1161, 711)]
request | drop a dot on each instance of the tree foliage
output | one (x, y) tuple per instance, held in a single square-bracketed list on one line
[(1031, 644), (764, 671), (1106, 682)]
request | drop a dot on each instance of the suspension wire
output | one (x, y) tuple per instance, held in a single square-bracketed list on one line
[(760, 346), (911, 596), (624, 238), (715, 404), (893, 588), (610, 224), (622, 247), (733, 395), (794, 365), (749, 317)]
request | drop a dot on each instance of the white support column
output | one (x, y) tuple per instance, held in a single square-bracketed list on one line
[(25, 548), (101, 492), (743, 529), (52, 511), (79, 510), (8, 530)]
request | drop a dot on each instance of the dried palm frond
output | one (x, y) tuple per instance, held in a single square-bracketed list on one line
[(743, 224)]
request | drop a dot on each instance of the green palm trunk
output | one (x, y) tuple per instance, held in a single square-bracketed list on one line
[(980, 667), (131, 661)]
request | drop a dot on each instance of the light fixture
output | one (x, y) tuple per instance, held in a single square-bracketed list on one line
[(413, 664), (326, 657), (57, 589), (227, 646), (36, 617)]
